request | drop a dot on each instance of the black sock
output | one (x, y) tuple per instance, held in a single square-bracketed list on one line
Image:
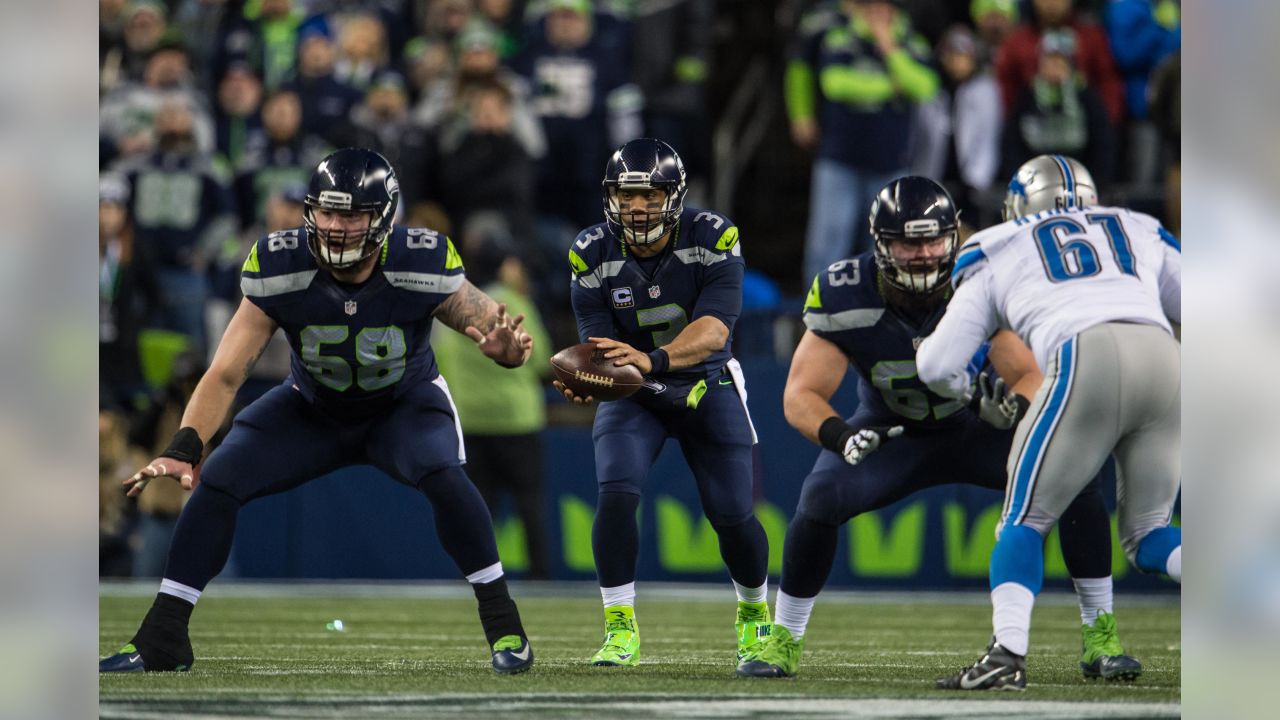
[(162, 639), (615, 538), (498, 613)]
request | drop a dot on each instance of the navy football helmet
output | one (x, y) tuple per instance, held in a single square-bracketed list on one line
[(352, 180), (914, 210), (644, 164)]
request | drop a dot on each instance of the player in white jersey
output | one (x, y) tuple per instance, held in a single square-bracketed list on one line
[(1092, 290)]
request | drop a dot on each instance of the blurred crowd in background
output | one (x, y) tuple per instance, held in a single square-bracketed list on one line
[(499, 116)]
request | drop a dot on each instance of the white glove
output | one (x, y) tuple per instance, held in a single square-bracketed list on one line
[(996, 404), (863, 442)]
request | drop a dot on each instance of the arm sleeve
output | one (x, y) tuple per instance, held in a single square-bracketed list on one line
[(594, 316), (943, 359), (721, 293), (799, 83)]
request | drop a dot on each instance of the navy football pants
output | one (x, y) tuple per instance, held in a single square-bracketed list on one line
[(716, 440), (281, 441), (971, 452)]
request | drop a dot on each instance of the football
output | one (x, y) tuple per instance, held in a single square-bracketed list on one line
[(585, 371)]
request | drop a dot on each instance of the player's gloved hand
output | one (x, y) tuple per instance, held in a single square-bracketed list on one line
[(865, 441), (996, 403)]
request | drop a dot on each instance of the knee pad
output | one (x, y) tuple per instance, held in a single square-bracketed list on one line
[(820, 499)]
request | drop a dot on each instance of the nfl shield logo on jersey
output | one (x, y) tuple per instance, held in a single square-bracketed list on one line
[(350, 307), (654, 291)]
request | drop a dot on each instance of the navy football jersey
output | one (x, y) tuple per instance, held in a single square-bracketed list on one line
[(355, 348), (845, 306), (647, 304)]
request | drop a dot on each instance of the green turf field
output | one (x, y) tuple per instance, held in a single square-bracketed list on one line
[(410, 652)]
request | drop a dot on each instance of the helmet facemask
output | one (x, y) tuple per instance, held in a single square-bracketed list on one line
[(339, 249), (918, 273), (647, 226)]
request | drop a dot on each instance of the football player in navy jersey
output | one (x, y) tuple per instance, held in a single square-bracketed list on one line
[(659, 286), (871, 312), (355, 296)]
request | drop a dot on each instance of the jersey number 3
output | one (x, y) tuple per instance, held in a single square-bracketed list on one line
[(1068, 255)]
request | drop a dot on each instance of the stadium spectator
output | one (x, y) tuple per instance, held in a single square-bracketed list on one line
[(507, 19), (201, 23), (1166, 113), (158, 510), (277, 155), (581, 91), (126, 116), (1018, 58), (265, 36), (446, 18), (428, 63), (960, 129), (483, 166), (362, 50), (1142, 34), (1059, 114), (115, 513), (182, 211), (111, 17), (237, 117), (994, 20), (671, 51), (502, 412), (856, 73), (145, 22), (478, 64), (127, 294), (383, 123), (326, 100)]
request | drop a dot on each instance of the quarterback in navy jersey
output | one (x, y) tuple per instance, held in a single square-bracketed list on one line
[(659, 286), (355, 296), (871, 312)]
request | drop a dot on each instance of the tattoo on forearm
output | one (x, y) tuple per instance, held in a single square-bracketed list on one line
[(248, 366), (468, 306)]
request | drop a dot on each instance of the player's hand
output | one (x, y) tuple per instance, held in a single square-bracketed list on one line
[(623, 354), (506, 342), (804, 133), (569, 394), (865, 441), (996, 404), (161, 467)]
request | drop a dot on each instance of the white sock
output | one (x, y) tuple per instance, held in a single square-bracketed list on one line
[(620, 595), (1174, 565), (486, 575), (792, 613), (1095, 596), (752, 595), (1011, 605), (178, 590)]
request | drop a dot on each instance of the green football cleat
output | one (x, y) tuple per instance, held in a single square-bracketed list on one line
[(1102, 655), (753, 626), (621, 638), (778, 655)]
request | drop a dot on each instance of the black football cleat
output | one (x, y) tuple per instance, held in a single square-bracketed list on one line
[(998, 669), (128, 659), (512, 654)]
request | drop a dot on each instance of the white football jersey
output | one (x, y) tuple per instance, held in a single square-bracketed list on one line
[(1050, 276)]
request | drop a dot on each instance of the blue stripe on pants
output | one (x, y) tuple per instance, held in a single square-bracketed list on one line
[(1033, 450)]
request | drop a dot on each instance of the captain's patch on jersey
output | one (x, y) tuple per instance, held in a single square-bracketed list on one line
[(622, 297)]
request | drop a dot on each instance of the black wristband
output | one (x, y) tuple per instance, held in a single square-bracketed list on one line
[(834, 433), (1023, 405), (185, 446), (660, 361)]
